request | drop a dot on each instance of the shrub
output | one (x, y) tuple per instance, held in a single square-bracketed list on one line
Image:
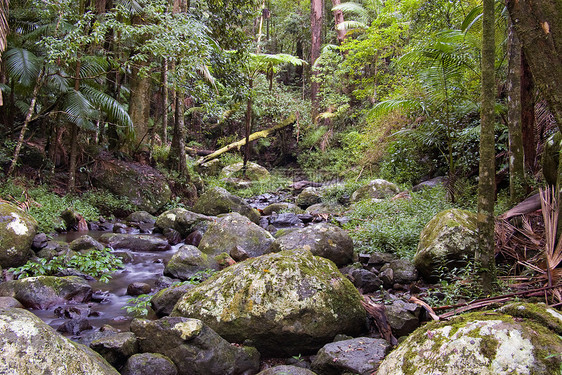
[(99, 264), (394, 226)]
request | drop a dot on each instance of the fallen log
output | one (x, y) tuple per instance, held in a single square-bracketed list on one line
[(257, 135)]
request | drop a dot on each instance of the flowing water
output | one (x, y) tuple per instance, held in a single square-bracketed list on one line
[(110, 298)]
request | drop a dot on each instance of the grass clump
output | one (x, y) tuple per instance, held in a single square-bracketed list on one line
[(394, 225)]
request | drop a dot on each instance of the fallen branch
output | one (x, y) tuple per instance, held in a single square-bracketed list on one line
[(427, 308), (462, 307), (257, 135), (377, 312)]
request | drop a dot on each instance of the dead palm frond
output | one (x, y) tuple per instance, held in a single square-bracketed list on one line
[(550, 210)]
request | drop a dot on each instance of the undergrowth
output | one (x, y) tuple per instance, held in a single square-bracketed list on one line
[(99, 264), (394, 225), (46, 206)]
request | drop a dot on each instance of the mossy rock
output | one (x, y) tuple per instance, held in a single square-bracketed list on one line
[(254, 172), (309, 196), (448, 240), (43, 292), (234, 230), (488, 343), (282, 207), (285, 303), (375, 189), (182, 220), (325, 240), (145, 187), (218, 201), (17, 230), (30, 346), (187, 261)]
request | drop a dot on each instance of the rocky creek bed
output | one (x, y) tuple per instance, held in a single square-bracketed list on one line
[(287, 297)]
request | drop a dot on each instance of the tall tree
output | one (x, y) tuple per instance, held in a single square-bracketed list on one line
[(4, 29), (316, 10), (516, 156), (339, 21), (539, 26), (484, 255)]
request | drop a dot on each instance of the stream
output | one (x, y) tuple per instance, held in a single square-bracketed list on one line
[(109, 298)]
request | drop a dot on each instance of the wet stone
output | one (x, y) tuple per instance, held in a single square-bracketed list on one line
[(138, 288), (75, 326)]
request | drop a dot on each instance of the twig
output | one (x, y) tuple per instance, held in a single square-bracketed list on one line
[(428, 308)]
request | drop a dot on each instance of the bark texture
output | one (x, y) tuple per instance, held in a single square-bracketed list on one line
[(139, 109), (484, 256), (516, 157), (539, 27), (316, 8), (338, 19)]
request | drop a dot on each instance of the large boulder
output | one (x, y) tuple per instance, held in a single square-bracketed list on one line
[(30, 346), (163, 301), (285, 303), (375, 189), (486, 342), (361, 355), (182, 220), (218, 201), (234, 230), (254, 172), (42, 292), (325, 240), (135, 242), (17, 230), (116, 348), (194, 348), (143, 185), (149, 364), (448, 240), (187, 261), (308, 197)]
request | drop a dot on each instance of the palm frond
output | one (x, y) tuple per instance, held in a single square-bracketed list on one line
[(352, 25), (351, 7), (22, 65), (77, 109), (108, 105), (471, 18), (390, 105)]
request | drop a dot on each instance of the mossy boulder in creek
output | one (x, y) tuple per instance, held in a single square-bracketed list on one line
[(42, 292), (187, 261), (194, 348), (448, 240), (325, 240), (182, 220), (484, 343), (254, 172), (135, 242), (375, 189), (143, 185), (30, 346), (285, 303), (234, 230), (218, 201), (17, 230)]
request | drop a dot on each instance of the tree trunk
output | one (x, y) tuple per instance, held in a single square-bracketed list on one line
[(484, 255), (74, 140), (539, 27), (177, 150), (4, 29), (517, 189), (529, 133), (30, 110), (316, 9), (249, 110), (165, 102), (338, 19), (139, 109)]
